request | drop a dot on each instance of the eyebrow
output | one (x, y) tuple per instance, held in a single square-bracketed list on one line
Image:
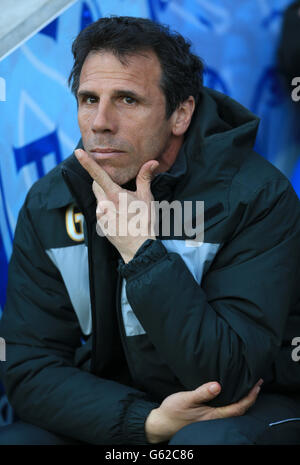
[(116, 93), (86, 93)]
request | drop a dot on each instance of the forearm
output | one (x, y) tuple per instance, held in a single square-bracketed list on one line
[(49, 393)]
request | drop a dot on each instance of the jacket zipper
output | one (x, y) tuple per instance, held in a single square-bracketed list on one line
[(121, 327), (91, 280), (92, 297)]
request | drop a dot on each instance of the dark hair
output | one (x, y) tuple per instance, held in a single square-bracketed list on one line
[(124, 36)]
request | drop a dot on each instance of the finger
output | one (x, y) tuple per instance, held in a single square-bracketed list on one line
[(246, 402), (101, 199), (98, 191), (205, 392), (145, 176), (96, 172), (240, 408)]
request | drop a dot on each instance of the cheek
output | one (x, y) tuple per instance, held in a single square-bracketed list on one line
[(84, 119), (154, 140), (80, 121), (145, 133)]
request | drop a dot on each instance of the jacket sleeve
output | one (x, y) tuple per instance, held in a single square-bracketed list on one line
[(230, 328), (42, 383)]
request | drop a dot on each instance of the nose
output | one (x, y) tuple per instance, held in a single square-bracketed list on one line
[(105, 119)]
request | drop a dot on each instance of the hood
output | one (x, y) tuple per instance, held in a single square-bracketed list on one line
[(219, 138)]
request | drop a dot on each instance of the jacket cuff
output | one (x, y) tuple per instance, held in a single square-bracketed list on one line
[(134, 424), (149, 253)]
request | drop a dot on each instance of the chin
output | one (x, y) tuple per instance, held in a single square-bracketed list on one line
[(119, 176)]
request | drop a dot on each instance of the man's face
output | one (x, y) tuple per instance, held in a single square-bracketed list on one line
[(122, 113)]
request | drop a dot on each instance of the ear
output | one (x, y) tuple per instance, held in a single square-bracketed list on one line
[(182, 116)]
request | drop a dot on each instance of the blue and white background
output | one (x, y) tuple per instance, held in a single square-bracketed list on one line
[(38, 124)]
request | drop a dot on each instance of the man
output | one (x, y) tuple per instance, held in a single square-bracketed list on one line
[(148, 337)]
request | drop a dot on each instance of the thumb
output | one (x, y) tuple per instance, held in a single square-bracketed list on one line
[(206, 392), (145, 176)]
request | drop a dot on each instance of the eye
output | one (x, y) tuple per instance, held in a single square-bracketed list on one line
[(90, 100), (129, 100)]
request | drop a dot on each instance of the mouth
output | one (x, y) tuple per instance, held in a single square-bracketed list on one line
[(107, 152)]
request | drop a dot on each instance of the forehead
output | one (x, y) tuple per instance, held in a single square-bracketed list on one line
[(141, 70)]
